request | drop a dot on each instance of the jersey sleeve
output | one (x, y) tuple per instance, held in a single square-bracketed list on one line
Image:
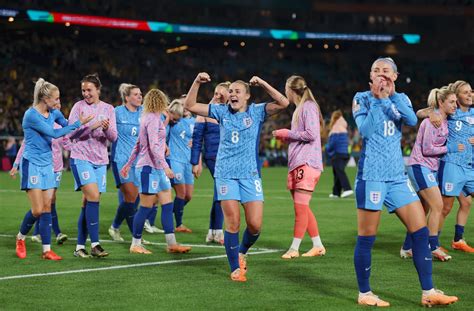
[(260, 110), (428, 147), (157, 146), (216, 111), (35, 122), (404, 107), (111, 131), (59, 118), (83, 130), (365, 114)]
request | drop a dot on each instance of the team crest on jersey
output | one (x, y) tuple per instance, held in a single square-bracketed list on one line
[(375, 197), (448, 186), (248, 122), (431, 178), (154, 184), (355, 106), (223, 189), (470, 120), (34, 180), (86, 175), (179, 176)]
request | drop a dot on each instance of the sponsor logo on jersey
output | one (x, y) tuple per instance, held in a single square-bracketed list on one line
[(223, 189), (34, 180), (375, 197)]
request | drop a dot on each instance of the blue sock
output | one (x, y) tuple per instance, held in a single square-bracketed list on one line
[(45, 228), (212, 216), (422, 257), (82, 227), (248, 240), (92, 220), (139, 221), (152, 215), (130, 210), (434, 243), (120, 196), (37, 228), (27, 223), (218, 216), (231, 243), (407, 244), (119, 215), (55, 221), (167, 217), (363, 261), (178, 210), (458, 232)]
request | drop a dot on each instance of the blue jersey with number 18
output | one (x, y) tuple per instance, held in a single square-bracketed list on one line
[(380, 124), (128, 126), (237, 157)]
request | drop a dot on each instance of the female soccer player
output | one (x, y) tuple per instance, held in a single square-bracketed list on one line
[(37, 173), (304, 163), (423, 167), (337, 150), (237, 172), (153, 173), (456, 172), (379, 115), (89, 159), (127, 117), (57, 146), (179, 142), (207, 130)]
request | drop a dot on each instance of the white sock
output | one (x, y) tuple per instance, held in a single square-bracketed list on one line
[(46, 248), (210, 232), (20, 236), (429, 292), (94, 244), (170, 239), (136, 242), (218, 232), (295, 244), (364, 294), (78, 247), (317, 241)]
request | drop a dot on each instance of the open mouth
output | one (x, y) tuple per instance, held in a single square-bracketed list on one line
[(234, 100)]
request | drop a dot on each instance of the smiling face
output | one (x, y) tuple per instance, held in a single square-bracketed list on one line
[(449, 105), (53, 101), (135, 98), (238, 96), (464, 95), (90, 92), (221, 95)]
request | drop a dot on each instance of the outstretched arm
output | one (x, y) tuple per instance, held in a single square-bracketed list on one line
[(280, 101)]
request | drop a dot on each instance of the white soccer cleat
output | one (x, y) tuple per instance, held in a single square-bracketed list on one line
[(115, 234), (347, 193), (219, 238), (406, 254), (36, 238), (157, 230), (209, 238), (147, 227)]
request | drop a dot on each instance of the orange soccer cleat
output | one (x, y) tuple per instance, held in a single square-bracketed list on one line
[(50, 255), (370, 299), (290, 254), (179, 249), (183, 229), (139, 249), (461, 245), (20, 249), (440, 255), (238, 276), (437, 298), (243, 263), (315, 251)]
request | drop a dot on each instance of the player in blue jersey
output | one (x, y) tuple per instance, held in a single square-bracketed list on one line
[(179, 143), (237, 171), (127, 117), (456, 172), (381, 180), (206, 134), (37, 173)]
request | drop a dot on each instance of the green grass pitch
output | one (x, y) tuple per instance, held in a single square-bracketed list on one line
[(201, 280)]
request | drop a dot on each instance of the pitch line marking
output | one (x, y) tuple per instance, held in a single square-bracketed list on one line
[(146, 264)]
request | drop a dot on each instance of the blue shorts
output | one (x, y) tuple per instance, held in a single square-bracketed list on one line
[(119, 180), (454, 178), (57, 178), (183, 173), (36, 177), (371, 195), (150, 180), (422, 177), (85, 173), (243, 190)]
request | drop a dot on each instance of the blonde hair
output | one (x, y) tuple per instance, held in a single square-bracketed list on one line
[(298, 85), (245, 84), (155, 101), (125, 89), (225, 85), (43, 89), (177, 107), (440, 94), (456, 86), (334, 117)]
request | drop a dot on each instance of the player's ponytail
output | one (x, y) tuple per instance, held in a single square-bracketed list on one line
[(437, 95), (125, 89), (43, 89)]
